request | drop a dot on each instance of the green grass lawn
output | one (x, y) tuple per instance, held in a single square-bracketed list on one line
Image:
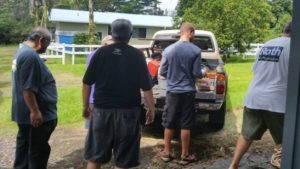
[(239, 76), (69, 78)]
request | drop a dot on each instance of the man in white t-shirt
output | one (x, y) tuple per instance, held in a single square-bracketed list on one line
[(265, 100)]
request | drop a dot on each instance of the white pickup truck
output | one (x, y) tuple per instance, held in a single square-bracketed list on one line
[(209, 98)]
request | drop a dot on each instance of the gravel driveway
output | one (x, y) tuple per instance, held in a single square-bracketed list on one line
[(213, 150)]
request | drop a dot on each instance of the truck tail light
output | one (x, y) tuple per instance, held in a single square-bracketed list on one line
[(220, 88), (217, 82), (220, 78)]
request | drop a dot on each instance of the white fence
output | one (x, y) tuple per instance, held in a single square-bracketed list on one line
[(59, 51), (254, 48), (56, 50), (74, 50)]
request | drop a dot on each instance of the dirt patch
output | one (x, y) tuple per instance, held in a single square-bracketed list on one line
[(212, 149)]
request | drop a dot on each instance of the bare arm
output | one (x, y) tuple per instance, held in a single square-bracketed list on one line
[(86, 91), (148, 95), (36, 118)]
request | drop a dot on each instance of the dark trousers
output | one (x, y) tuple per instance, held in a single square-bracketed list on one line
[(33, 149)]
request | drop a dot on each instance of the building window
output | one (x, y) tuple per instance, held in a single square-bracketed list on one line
[(99, 35), (109, 30), (139, 32)]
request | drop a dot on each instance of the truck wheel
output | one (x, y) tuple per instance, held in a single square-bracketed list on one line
[(217, 118)]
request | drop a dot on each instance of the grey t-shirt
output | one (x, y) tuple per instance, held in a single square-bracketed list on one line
[(30, 73), (267, 90), (181, 64)]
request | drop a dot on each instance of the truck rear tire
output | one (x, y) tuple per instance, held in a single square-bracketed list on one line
[(217, 118)]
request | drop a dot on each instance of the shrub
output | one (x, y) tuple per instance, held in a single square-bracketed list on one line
[(83, 38)]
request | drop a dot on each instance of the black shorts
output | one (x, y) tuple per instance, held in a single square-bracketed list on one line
[(179, 111), (117, 131)]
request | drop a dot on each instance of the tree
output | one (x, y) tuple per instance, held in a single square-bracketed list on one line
[(132, 6), (180, 9), (282, 11), (5, 22), (15, 23), (280, 8), (183, 5), (39, 9), (151, 8), (141, 7), (122, 6), (234, 22), (92, 26), (72, 4)]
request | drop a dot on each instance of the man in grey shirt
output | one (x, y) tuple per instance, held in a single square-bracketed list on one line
[(181, 64), (34, 102)]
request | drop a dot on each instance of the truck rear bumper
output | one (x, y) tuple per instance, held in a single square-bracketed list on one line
[(200, 105), (209, 106)]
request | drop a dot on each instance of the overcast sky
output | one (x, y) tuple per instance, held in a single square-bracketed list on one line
[(168, 4)]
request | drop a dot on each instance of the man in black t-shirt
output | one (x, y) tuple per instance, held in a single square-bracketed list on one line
[(119, 72), (34, 102)]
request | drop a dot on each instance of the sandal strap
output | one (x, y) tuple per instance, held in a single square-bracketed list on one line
[(166, 157), (188, 157)]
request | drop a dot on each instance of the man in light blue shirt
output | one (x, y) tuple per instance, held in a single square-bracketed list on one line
[(181, 64)]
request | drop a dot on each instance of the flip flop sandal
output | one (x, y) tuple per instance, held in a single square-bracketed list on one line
[(276, 158), (187, 159), (165, 157)]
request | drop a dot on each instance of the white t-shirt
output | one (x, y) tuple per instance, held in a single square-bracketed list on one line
[(267, 90)]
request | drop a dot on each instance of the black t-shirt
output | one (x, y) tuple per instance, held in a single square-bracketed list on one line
[(119, 71)]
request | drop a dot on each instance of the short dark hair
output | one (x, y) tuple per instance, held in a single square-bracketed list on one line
[(121, 30), (39, 33), (288, 28), (187, 27)]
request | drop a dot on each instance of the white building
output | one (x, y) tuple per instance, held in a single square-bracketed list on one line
[(70, 22)]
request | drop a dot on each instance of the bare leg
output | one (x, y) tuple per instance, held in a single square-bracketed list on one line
[(185, 140), (91, 165), (241, 148), (168, 135)]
